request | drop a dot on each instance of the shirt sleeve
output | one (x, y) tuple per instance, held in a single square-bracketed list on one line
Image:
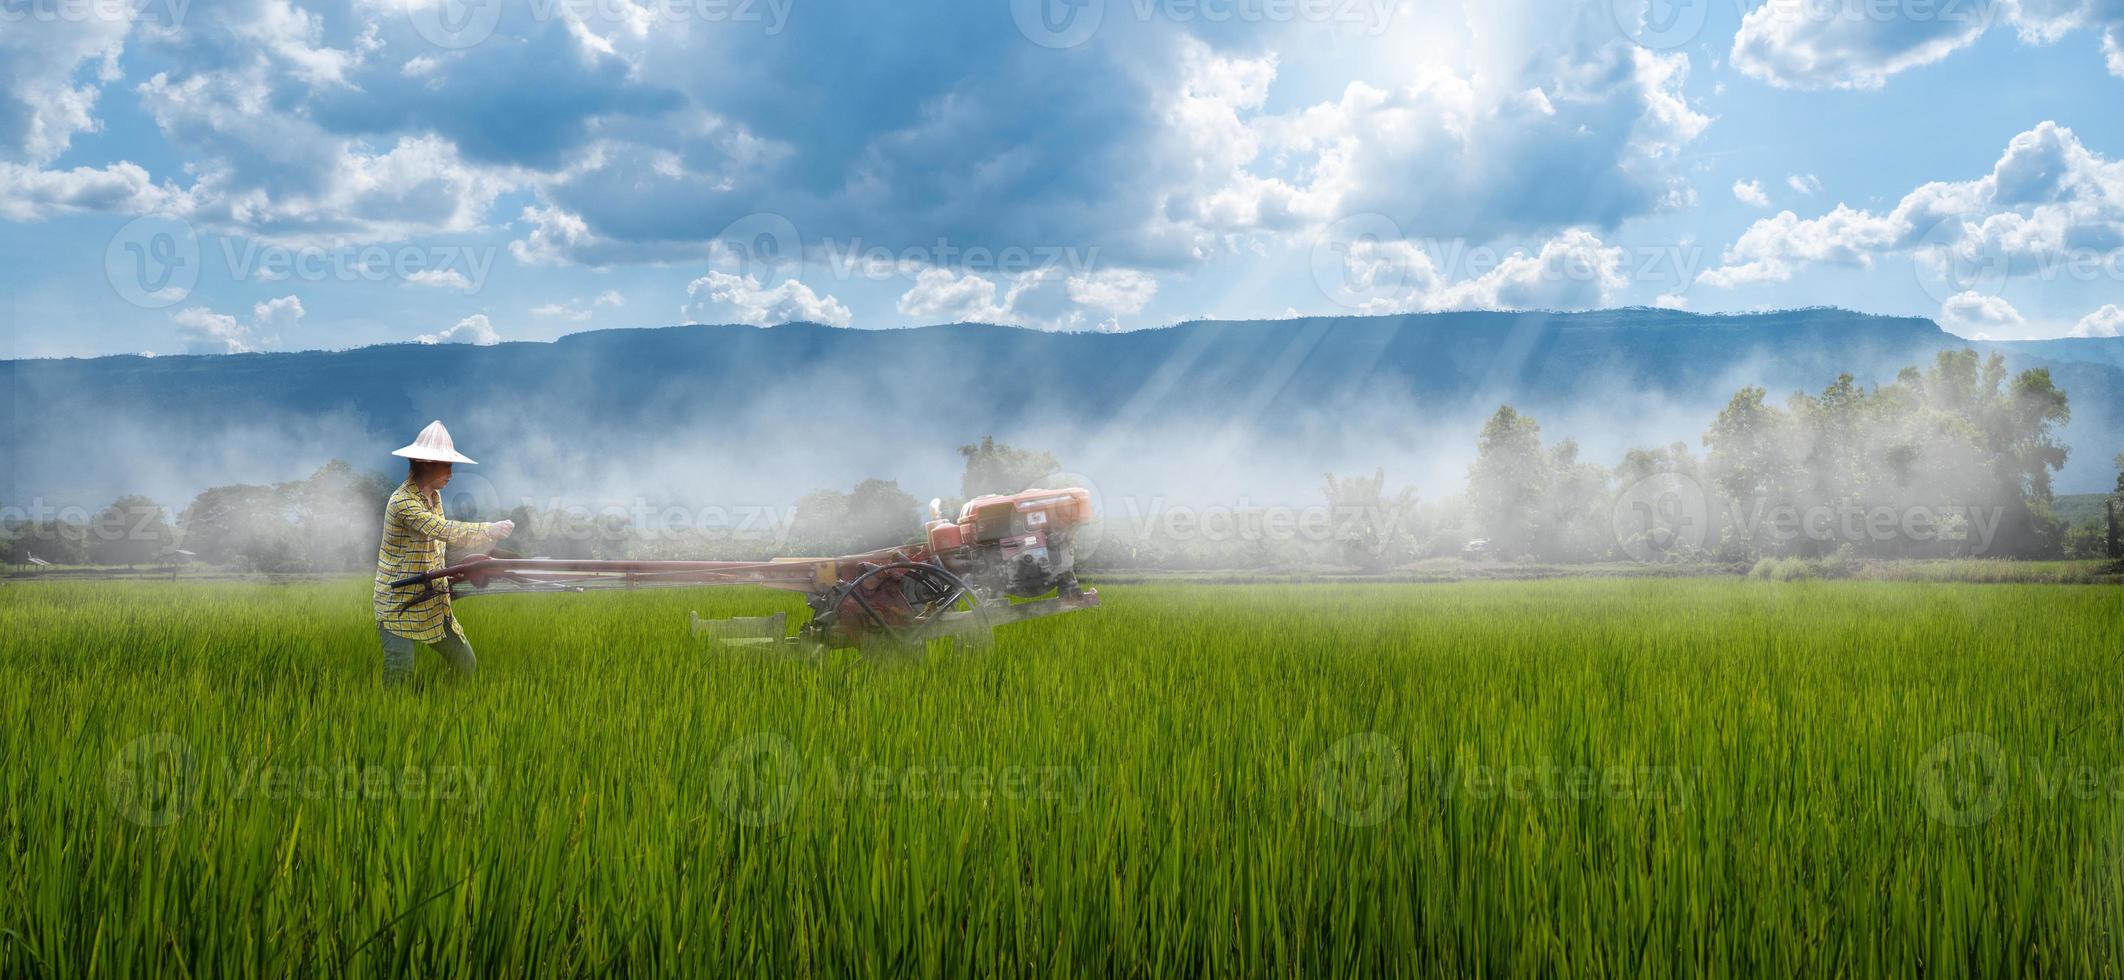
[(426, 523)]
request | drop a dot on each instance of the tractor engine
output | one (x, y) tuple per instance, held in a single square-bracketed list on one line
[(1016, 544)]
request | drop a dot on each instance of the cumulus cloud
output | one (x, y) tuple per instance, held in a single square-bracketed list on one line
[(2048, 202), (1857, 44), (1751, 192), (1574, 271), (1117, 291), (953, 297), (1804, 183), (474, 329), (441, 279), (2105, 322), (202, 331), (721, 297), (44, 99), (1559, 125), (1980, 317), (578, 310)]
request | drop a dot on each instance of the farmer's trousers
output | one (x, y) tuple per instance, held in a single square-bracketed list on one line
[(398, 655)]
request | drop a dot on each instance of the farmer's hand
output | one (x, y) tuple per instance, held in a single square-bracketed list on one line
[(501, 529)]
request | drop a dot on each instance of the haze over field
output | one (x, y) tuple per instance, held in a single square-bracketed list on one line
[(1203, 414)]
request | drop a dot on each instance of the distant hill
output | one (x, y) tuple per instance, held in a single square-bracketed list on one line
[(741, 413)]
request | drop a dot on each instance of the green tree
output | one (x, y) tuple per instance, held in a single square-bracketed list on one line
[(336, 515), (1368, 523), (1507, 482), (224, 525), (881, 515), (994, 467), (820, 525), (133, 530)]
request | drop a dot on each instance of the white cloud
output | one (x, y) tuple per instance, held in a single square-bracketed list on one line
[(2048, 202), (718, 296), (30, 194), (579, 310), (44, 101), (1751, 192), (474, 329), (203, 331), (1117, 291), (1574, 271), (1804, 183), (441, 279), (1771, 249), (2105, 322), (1980, 317), (561, 311), (1671, 301), (951, 297), (1860, 44)]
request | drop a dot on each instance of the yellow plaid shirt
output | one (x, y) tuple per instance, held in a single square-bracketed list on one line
[(416, 537)]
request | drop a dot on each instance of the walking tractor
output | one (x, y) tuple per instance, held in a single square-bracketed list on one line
[(1006, 559)]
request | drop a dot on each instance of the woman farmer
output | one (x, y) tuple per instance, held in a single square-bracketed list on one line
[(415, 539)]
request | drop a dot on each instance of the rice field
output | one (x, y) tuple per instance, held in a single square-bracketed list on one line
[(1644, 778)]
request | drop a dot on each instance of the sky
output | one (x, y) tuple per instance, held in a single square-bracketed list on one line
[(220, 176)]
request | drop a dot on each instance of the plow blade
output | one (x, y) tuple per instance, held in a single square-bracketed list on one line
[(976, 626), (743, 630)]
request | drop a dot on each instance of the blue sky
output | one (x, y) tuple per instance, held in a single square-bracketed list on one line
[(227, 175)]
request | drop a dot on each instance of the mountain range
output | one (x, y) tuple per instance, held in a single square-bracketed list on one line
[(1210, 409)]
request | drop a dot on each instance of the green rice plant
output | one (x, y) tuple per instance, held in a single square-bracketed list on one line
[(1641, 777)]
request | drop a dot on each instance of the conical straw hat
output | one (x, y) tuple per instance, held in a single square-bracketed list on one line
[(434, 445)]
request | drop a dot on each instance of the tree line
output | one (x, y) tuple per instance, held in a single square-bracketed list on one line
[(1953, 459)]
